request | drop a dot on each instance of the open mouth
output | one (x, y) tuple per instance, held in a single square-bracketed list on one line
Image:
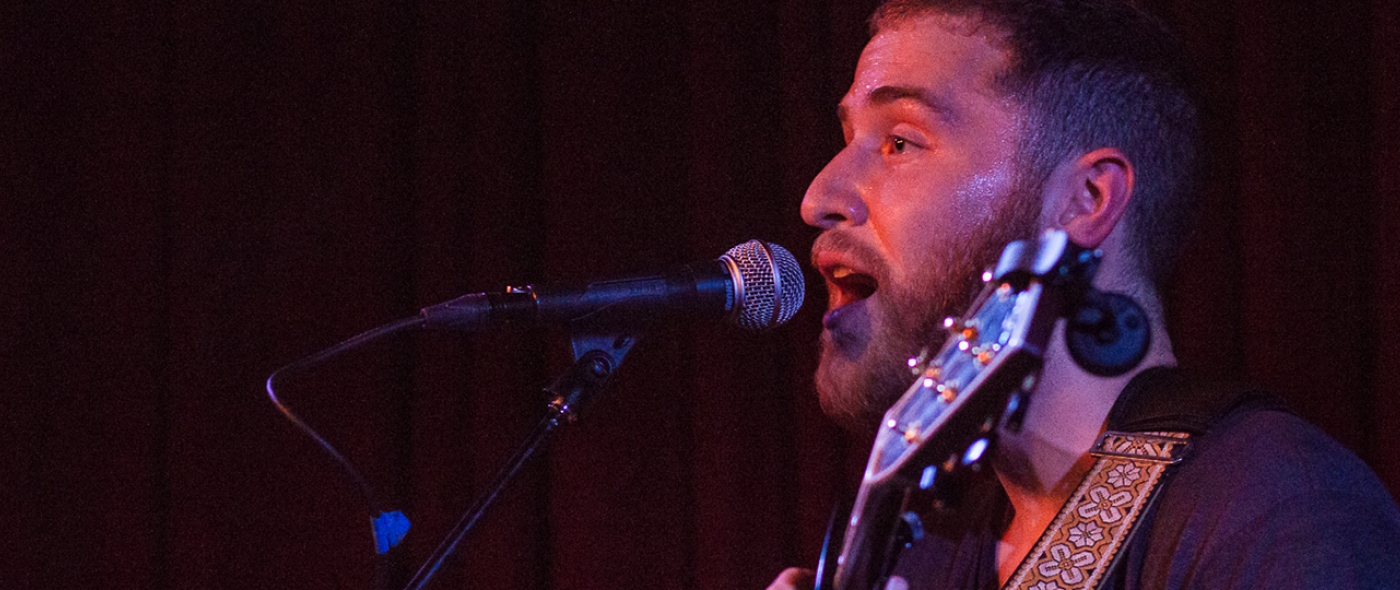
[(848, 285)]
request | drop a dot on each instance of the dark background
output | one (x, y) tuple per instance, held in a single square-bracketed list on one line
[(198, 192)]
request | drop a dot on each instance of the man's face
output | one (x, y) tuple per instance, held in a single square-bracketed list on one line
[(922, 198)]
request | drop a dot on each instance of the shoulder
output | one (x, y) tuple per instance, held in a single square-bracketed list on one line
[(1274, 455), (1267, 500)]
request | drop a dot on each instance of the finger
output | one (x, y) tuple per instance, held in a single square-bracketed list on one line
[(794, 579)]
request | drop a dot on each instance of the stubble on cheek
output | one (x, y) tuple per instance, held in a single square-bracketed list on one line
[(863, 371)]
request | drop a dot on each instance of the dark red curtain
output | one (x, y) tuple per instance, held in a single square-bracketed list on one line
[(196, 193)]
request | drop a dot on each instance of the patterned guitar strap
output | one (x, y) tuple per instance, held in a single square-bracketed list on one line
[(1150, 432)]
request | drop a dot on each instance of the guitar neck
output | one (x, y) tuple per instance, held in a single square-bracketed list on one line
[(871, 536)]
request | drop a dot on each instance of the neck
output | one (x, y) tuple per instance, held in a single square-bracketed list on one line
[(1040, 466)]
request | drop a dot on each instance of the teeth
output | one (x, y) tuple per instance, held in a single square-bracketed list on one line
[(841, 272)]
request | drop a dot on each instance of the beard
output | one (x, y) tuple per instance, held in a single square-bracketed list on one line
[(863, 372)]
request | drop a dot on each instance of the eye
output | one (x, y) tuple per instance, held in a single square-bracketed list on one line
[(895, 145)]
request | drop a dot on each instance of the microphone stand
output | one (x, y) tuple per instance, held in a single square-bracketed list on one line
[(599, 348)]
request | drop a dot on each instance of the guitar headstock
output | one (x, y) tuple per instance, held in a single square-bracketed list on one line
[(980, 345), (982, 376)]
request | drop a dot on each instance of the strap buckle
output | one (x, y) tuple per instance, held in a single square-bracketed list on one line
[(1158, 447)]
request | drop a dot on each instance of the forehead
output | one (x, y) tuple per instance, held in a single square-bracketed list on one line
[(948, 61)]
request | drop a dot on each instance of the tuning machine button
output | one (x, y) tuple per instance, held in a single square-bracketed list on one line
[(975, 452), (912, 529), (1015, 413)]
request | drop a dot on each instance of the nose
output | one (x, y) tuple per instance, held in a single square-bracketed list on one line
[(834, 197)]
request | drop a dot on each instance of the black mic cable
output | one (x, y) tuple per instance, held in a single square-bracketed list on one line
[(755, 285)]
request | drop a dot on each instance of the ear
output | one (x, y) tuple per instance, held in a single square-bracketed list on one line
[(1092, 193)]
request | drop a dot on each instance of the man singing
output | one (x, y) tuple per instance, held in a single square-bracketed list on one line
[(973, 123)]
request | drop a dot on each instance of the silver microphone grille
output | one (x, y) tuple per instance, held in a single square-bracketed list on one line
[(768, 284)]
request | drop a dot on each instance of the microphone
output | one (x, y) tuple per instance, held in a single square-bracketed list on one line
[(755, 285)]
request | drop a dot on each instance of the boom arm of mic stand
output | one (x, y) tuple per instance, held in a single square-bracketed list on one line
[(598, 351)]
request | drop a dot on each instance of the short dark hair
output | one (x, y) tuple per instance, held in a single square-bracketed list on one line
[(1092, 74)]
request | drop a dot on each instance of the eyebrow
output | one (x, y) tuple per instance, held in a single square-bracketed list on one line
[(885, 95)]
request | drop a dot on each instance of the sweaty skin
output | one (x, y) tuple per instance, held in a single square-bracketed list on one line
[(922, 198)]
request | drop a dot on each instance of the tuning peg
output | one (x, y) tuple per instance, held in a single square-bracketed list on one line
[(916, 363)]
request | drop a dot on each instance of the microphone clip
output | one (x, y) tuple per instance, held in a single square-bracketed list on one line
[(599, 348)]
